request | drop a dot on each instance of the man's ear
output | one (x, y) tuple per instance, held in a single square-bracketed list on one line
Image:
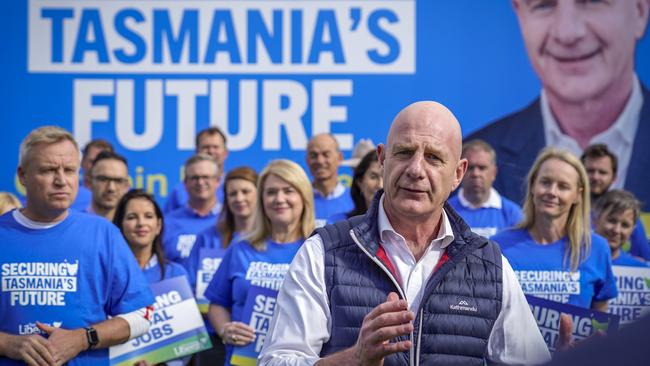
[(461, 169), (381, 154), (20, 172)]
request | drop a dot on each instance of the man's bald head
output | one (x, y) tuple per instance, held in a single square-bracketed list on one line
[(422, 163), (323, 159), (429, 117)]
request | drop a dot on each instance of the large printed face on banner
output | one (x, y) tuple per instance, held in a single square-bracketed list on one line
[(555, 189), (421, 161), (50, 174), (582, 49)]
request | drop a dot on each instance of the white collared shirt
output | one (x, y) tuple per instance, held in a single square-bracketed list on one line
[(619, 137), (493, 201), (302, 320), (339, 189)]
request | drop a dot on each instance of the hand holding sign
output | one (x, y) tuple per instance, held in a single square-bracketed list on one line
[(237, 334)]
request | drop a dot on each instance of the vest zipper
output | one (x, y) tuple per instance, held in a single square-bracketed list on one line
[(399, 289), (417, 354)]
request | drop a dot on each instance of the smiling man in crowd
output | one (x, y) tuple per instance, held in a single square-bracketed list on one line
[(583, 53)]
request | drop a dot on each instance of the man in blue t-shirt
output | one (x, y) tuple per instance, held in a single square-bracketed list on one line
[(64, 273), (109, 181), (602, 165), (477, 202), (202, 209), (330, 196), (89, 153), (210, 141)]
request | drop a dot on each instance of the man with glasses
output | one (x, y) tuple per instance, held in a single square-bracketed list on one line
[(109, 181), (202, 174)]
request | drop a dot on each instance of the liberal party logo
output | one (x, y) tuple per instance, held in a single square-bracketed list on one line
[(31, 328)]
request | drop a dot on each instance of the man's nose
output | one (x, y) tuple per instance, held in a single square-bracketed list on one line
[(568, 25), (414, 169)]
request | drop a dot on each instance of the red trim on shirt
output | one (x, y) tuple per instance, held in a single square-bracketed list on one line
[(383, 257), (443, 259)]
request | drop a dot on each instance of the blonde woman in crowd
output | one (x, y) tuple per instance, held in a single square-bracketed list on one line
[(284, 219), (8, 202), (553, 251)]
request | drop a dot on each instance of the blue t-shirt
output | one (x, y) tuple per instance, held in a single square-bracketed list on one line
[(243, 266), (627, 260), (179, 197), (640, 247), (181, 228), (72, 275), (152, 271), (206, 239), (543, 272), (83, 199), (327, 207), (488, 221)]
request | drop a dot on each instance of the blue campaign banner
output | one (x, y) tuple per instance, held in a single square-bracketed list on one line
[(209, 261), (633, 300), (257, 313), (177, 329), (585, 321), (147, 75)]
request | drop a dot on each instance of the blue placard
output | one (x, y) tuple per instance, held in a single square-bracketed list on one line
[(209, 261), (257, 313), (585, 321), (633, 300), (177, 328)]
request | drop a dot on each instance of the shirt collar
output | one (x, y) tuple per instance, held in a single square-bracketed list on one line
[(336, 193), (623, 128), (152, 262), (493, 201), (31, 224), (445, 234), (214, 211)]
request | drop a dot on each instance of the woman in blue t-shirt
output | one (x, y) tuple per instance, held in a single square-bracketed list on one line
[(617, 212), (553, 252), (140, 220), (284, 218), (237, 214)]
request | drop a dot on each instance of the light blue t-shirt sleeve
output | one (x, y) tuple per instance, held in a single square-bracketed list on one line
[(605, 289), (129, 289), (219, 291), (640, 247), (514, 213), (191, 263)]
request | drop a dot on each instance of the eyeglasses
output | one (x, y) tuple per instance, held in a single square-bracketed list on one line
[(103, 179), (198, 178)]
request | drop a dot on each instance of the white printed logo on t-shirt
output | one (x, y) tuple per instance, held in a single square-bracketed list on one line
[(39, 283)]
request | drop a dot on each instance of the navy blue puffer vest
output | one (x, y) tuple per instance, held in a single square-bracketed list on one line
[(461, 302)]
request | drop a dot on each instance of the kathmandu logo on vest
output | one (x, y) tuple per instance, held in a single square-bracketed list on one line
[(463, 305)]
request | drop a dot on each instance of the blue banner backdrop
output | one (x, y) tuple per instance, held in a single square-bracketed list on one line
[(147, 75)]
